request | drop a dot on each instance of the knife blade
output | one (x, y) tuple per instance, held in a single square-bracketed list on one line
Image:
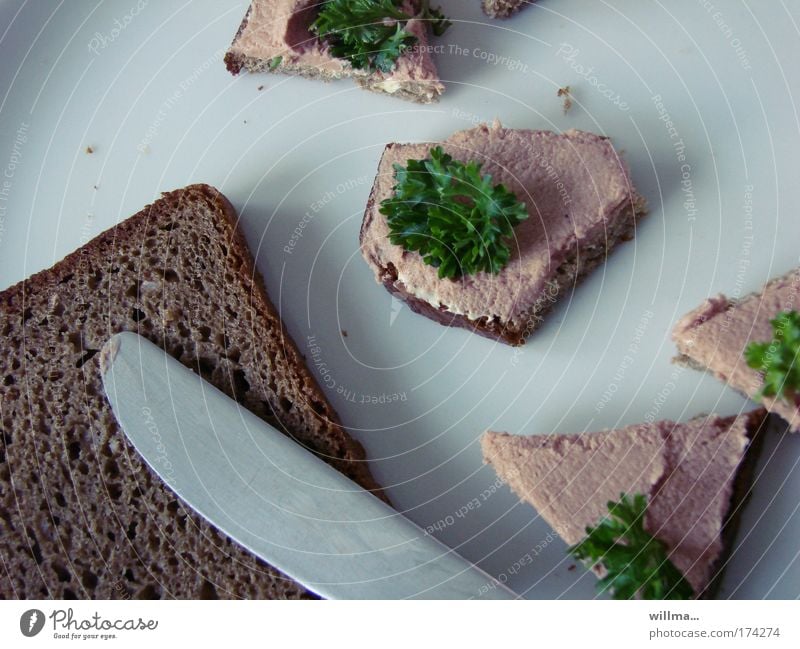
[(271, 495)]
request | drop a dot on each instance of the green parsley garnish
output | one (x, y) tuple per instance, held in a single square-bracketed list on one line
[(635, 562), (451, 215), (371, 34), (777, 360), (274, 62)]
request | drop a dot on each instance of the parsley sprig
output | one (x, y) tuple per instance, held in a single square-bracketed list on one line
[(777, 360), (456, 218), (635, 562), (371, 34)]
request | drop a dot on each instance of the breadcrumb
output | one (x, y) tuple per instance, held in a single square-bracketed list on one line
[(565, 93)]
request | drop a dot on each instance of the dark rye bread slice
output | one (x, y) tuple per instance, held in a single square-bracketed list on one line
[(274, 36), (580, 202), (503, 8), (81, 514), (697, 477)]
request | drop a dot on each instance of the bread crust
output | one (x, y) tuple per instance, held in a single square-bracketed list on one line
[(234, 62), (503, 8), (757, 424)]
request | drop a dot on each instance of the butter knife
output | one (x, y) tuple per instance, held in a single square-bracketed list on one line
[(271, 495)]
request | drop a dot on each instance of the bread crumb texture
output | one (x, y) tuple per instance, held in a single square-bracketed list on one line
[(503, 8), (81, 514)]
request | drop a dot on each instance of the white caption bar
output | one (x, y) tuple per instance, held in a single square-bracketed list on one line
[(400, 624)]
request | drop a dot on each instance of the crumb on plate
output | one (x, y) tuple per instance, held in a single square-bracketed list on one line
[(565, 93)]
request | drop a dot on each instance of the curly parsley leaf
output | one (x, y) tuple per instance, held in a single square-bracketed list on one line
[(454, 217), (438, 21), (777, 360), (635, 562), (371, 34)]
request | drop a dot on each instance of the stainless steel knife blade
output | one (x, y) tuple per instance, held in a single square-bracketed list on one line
[(270, 494)]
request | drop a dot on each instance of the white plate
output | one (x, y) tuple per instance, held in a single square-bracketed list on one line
[(154, 101)]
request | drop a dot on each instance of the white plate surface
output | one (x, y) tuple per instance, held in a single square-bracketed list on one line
[(154, 101)]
